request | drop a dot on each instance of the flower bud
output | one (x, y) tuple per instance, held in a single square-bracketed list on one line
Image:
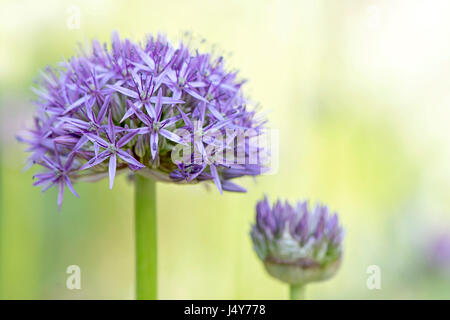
[(139, 148), (297, 245)]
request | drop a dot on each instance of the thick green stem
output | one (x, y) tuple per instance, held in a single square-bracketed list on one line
[(146, 238), (297, 292)]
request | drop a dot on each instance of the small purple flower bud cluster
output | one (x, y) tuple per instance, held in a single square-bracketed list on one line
[(122, 108), (296, 244)]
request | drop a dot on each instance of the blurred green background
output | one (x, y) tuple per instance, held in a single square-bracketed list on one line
[(359, 92)]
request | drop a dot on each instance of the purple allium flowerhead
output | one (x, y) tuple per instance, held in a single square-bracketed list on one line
[(438, 252), (128, 107), (296, 244)]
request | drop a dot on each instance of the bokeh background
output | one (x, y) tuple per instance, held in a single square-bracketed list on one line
[(358, 90)]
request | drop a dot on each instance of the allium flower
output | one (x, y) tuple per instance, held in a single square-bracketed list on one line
[(128, 107), (297, 245), (438, 252)]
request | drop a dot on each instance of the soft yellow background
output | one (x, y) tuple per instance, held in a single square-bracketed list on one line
[(359, 92)]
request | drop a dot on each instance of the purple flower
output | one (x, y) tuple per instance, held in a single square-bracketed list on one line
[(438, 252), (129, 107), (58, 174), (296, 244)]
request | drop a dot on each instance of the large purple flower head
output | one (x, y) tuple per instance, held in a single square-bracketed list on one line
[(170, 113), (297, 245)]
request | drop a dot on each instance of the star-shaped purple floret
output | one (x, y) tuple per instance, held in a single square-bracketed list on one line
[(112, 150)]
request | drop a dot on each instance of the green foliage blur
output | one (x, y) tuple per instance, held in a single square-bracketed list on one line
[(358, 90)]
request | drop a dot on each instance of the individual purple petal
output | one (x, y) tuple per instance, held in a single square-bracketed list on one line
[(186, 119), (197, 96), (69, 185), (101, 114), (124, 91), (166, 100), (171, 136), (49, 163), (170, 121), (96, 139), (81, 142), (233, 187), (215, 176), (129, 159), (147, 60), (112, 169), (154, 144), (214, 111), (76, 104), (302, 230), (67, 140), (150, 110), (96, 148), (111, 132), (76, 122), (320, 228), (332, 225), (127, 138), (99, 159), (60, 194), (158, 106), (69, 161)]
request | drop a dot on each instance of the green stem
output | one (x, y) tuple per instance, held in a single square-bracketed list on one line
[(297, 292), (146, 238)]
